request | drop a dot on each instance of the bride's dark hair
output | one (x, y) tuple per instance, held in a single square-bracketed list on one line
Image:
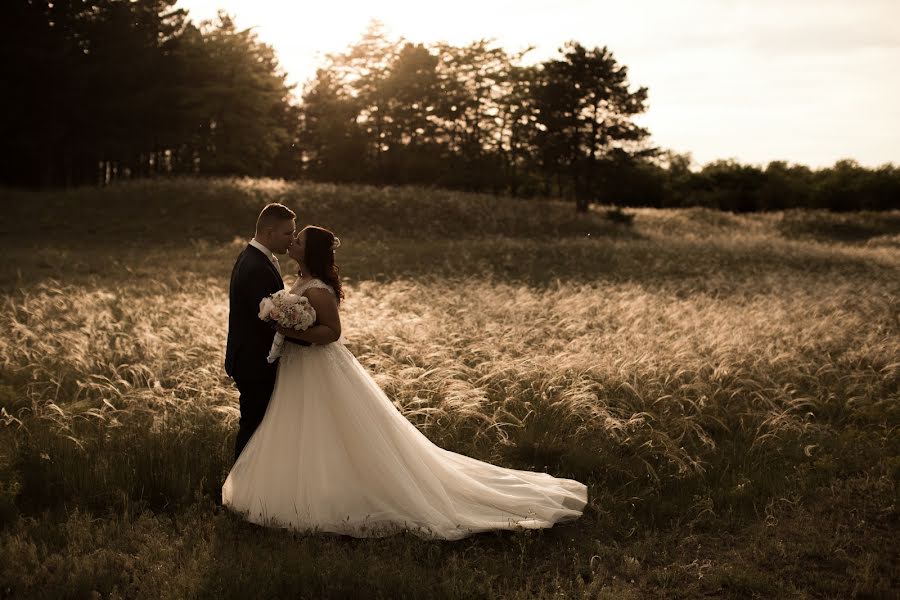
[(318, 254)]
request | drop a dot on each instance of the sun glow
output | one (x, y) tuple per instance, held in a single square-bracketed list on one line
[(303, 34), (808, 81)]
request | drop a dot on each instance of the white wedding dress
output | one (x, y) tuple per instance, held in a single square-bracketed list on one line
[(333, 454)]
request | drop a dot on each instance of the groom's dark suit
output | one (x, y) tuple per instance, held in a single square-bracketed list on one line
[(249, 338)]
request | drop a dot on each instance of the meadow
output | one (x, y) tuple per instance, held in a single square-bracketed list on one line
[(728, 387)]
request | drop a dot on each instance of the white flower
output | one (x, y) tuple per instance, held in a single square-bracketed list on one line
[(288, 310), (265, 308), (291, 299)]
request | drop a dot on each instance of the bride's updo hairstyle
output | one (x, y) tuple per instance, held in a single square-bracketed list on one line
[(318, 254)]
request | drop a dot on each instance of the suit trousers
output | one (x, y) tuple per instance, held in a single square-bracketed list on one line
[(254, 400)]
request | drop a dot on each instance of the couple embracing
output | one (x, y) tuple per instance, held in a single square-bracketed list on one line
[(321, 448)]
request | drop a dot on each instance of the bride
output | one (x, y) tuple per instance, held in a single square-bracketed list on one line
[(333, 454)]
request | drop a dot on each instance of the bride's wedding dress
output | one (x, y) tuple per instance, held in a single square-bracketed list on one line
[(333, 454)]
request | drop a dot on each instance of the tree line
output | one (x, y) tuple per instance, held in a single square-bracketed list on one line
[(98, 90), (668, 181), (471, 117), (101, 90)]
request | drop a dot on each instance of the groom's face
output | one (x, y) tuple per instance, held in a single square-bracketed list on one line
[(283, 236)]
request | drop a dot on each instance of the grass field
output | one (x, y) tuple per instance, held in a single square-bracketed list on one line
[(728, 387)]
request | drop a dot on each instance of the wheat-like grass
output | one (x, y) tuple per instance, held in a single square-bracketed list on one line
[(484, 366), (697, 370)]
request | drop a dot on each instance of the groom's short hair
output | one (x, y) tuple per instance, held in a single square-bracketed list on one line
[(272, 214)]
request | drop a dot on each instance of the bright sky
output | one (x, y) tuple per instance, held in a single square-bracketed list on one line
[(807, 81)]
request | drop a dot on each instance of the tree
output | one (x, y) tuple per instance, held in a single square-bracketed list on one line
[(332, 143), (243, 98), (80, 77), (106, 89), (359, 73), (586, 112)]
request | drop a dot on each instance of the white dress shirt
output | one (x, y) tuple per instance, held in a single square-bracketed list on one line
[(267, 252)]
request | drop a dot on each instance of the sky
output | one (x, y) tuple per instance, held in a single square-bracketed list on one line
[(805, 81)]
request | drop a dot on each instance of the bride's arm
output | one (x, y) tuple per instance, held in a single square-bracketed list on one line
[(328, 320)]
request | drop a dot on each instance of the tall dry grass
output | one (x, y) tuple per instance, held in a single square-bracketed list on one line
[(707, 375)]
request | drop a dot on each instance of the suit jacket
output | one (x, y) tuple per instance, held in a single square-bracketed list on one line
[(249, 338)]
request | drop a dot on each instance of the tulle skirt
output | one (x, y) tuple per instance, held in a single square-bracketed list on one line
[(333, 454)]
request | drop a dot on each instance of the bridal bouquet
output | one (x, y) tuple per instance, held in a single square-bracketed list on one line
[(287, 310)]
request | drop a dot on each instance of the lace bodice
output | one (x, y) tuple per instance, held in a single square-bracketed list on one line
[(299, 288)]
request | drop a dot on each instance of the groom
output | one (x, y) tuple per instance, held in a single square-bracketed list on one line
[(256, 274)]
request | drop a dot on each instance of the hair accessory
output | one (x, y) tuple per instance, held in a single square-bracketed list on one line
[(336, 243)]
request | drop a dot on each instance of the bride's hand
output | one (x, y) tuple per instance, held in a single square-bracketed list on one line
[(286, 331)]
